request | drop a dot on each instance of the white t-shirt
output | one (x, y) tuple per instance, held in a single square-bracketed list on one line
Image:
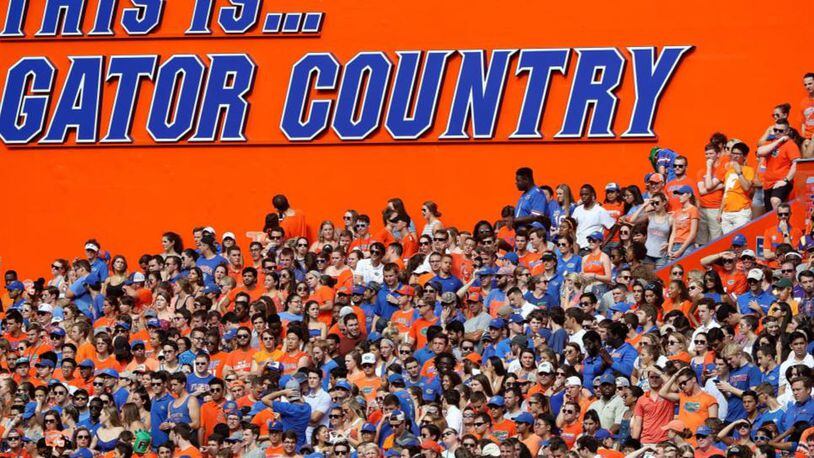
[(590, 221), (365, 269)]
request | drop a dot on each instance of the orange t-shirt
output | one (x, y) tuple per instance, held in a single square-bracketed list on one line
[(361, 243), (507, 234), (322, 295), (615, 209), (240, 360), (734, 282), (294, 225), (409, 246), (669, 306), (773, 236), (569, 433), (694, 410), (735, 198), (503, 429), (211, 414), (191, 452), (418, 331), (778, 163), (403, 319), (712, 199), (682, 222), (368, 386), (807, 106), (290, 362)]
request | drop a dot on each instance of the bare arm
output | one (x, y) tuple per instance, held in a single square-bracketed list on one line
[(767, 149)]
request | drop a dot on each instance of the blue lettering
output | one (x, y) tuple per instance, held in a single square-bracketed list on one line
[(591, 88), (163, 125), (129, 70), (14, 19), (144, 18), (72, 11), (478, 96), (540, 64), (105, 11), (78, 105), (231, 77), (240, 17), (650, 77), (375, 68), (22, 116), (201, 16), (295, 124), (399, 122)]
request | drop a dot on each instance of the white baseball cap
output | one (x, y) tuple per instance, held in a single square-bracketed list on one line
[(755, 274), (368, 358)]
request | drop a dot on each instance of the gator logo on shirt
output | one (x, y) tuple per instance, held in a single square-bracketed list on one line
[(692, 407)]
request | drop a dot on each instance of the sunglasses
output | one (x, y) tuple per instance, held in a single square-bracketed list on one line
[(302, 245), (682, 383), (372, 252), (569, 411), (479, 423)]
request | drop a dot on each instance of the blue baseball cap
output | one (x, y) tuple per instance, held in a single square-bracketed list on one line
[(620, 307), (739, 240), (109, 373), (685, 189), (87, 363), (136, 343), (343, 385), (516, 318), (395, 378), (368, 428), (524, 417), (153, 323), (45, 363), (211, 289), (359, 289), (496, 401), (512, 258), (598, 236), (497, 323), (602, 434), (487, 271), (57, 331), (230, 334), (703, 431), (607, 378), (275, 426), (16, 285)]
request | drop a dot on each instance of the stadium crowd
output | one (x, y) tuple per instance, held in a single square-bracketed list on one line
[(546, 333)]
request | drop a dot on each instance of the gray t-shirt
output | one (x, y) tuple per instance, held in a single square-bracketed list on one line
[(479, 322)]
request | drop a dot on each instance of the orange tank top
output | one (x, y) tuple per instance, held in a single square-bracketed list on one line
[(592, 264)]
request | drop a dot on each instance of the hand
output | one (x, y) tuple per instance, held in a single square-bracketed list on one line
[(784, 138), (710, 162), (723, 385), (783, 225), (779, 184), (736, 167)]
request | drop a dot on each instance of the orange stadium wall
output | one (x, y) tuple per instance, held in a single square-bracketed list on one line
[(801, 210), (70, 169)]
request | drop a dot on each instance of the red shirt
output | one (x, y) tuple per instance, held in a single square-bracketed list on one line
[(654, 414)]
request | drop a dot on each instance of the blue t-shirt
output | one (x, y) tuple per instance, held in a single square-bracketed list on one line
[(450, 284), (571, 266), (764, 299), (295, 417), (532, 202), (99, 267), (82, 297), (743, 378), (195, 383), (208, 266)]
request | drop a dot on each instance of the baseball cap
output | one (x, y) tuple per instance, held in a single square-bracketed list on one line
[(368, 428), (138, 277), (674, 425), (397, 416), (511, 257), (358, 290), (449, 298), (45, 308), (573, 381), (473, 297), (524, 417), (91, 246), (545, 368), (755, 274), (622, 382), (783, 283), (57, 331), (748, 253), (490, 450), (45, 363), (602, 434), (275, 425), (343, 385), (620, 307), (228, 235), (211, 289), (368, 358), (496, 401), (598, 236), (520, 340), (548, 256), (395, 378), (685, 189), (109, 373), (428, 444), (375, 286), (739, 240), (516, 318), (87, 363), (345, 311), (22, 360), (294, 386), (497, 323), (703, 431), (486, 271), (607, 378), (136, 343), (612, 187), (405, 290)]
